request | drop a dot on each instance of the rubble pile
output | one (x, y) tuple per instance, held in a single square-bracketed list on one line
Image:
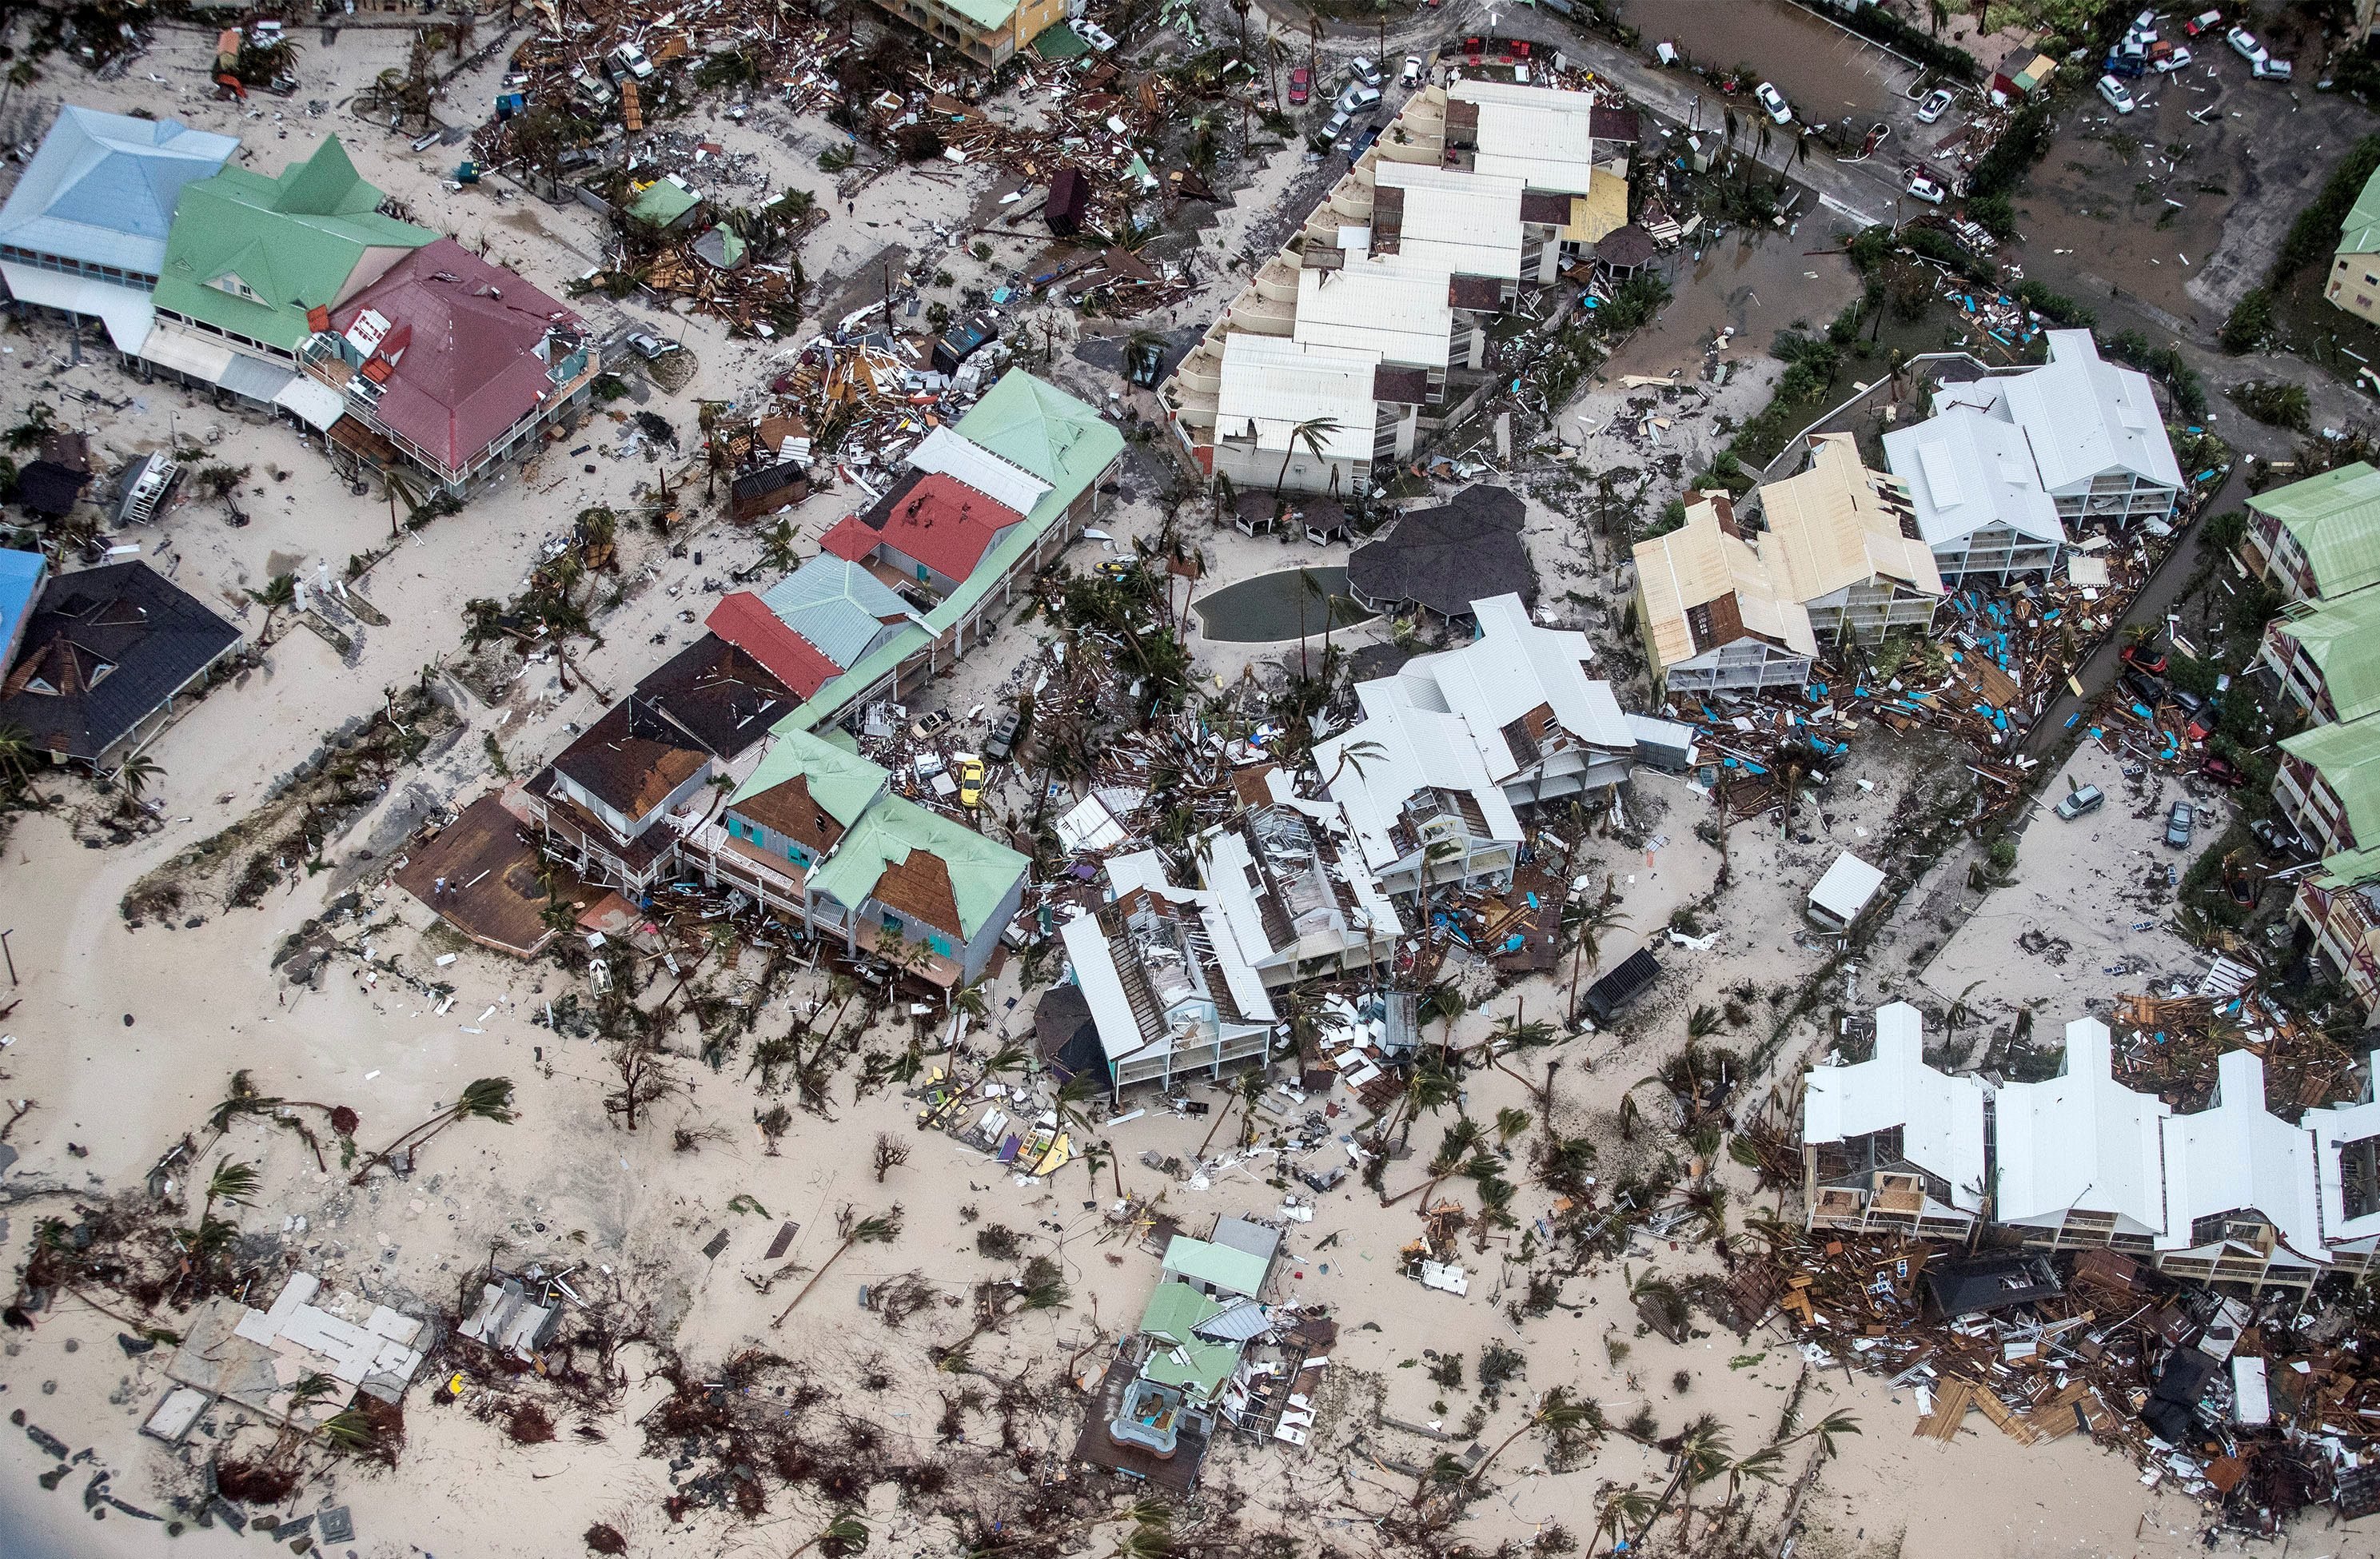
[(2257, 1406), (2170, 1045)]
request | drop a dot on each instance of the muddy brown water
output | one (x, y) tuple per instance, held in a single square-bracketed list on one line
[(1824, 72), (1760, 283)]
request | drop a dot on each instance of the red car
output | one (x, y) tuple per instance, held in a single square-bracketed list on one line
[(2222, 770), (2140, 657), (1301, 84)]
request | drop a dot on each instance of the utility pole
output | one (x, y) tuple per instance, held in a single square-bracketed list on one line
[(9, 956)]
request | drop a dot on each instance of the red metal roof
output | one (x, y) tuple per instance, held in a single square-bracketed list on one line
[(463, 356), (937, 520), (744, 620)]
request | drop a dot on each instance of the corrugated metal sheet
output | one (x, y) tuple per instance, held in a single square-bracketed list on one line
[(103, 188), (1373, 306), (946, 453), (836, 604)]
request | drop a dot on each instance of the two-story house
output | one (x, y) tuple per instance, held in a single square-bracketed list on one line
[(1890, 1143), (2243, 1200), (1981, 508), (605, 804), (83, 232), (2079, 1159), (917, 889), (2325, 656), (2346, 1167), (1715, 611), (2328, 785), (2339, 903), (1453, 742), (2318, 538), (1167, 989), (2098, 442), (1854, 557)]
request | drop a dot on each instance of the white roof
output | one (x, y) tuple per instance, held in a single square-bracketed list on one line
[(1419, 749), (2084, 416), (1966, 470), (2335, 1127), (945, 453), (1538, 135), (1844, 891), (2236, 1154), (1512, 667), (126, 311), (1377, 306), (1942, 1116), (1093, 957), (2082, 1140), (1274, 383), (1320, 928), (1456, 222)]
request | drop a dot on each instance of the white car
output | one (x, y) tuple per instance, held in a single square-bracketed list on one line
[(1357, 98), (1412, 77), (1095, 35), (1363, 70), (2117, 98), (2173, 62), (2244, 43), (1923, 189), (1937, 102), (1774, 101), (2272, 69)]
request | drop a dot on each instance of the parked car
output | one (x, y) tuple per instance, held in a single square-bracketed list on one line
[(2089, 799), (1412, 77), (2124, 67), (2166, 64), (652, 348), (1003, 745), (2145, 21), (2140, 685), (2224, 772), (1091, 32), (1363, 70), (2277, 838), (1774, 101), (2140, 657), (2117, 98), (1937, 102), (1300, 86), (1357, 98), (2243, 43), (1329, 134), (1923, 189), (2204, 22), (970, 782), (2270, 69), (2177, 824), (2186, 700), (930, 724)]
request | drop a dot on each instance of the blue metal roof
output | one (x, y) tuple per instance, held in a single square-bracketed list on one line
[(837, 605), (103, 187), (21, 574)]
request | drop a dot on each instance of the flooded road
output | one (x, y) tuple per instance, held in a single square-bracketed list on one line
[(1760, 283), (1824, 72)]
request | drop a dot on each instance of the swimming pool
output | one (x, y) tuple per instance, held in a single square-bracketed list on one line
[(1285, 604)]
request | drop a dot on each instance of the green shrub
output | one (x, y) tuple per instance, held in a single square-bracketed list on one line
[(2003, 169), (2250, 322), (2315, 232), (2056, 308), (2274, 403)]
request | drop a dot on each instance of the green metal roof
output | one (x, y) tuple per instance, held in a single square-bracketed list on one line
[(1037, 428), (1235, 1272), (842, 782), (2360, 234), (1043, 430), (1060, 41), (2349, 869), (981, 872), (989, 16), (2347, 757), (2335, 518), (1183, 1359), (292, 241), (663, 202), (2342, 638)]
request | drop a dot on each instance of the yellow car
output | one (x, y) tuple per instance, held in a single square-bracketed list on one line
[(970, 782)]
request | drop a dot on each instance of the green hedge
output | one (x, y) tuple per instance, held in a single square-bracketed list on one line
[(1874, 21), (2315, 234)]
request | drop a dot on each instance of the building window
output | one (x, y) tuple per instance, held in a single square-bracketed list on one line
[(941, 945), (892, 924)]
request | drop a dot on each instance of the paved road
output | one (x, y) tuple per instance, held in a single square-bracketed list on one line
[(2098, 670)]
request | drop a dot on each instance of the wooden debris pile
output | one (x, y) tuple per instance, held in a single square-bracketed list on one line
[(2170, 1045)]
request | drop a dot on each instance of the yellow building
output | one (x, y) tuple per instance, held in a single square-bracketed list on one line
[(990, 32)]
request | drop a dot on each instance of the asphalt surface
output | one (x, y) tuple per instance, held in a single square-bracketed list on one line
[(2100, 668)]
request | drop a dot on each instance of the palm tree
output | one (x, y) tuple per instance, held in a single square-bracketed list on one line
[(1619, 1509), (279, 594), (16, 753), (1355, 755), (1557, 1412), (846, 1534), (1825, 1430), (1588, 924), (395, 485), (1701, 1456), (486, 1098), (138, 772), (780, 551), (1759, 1467), (880, 1228), (1312, 432)]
